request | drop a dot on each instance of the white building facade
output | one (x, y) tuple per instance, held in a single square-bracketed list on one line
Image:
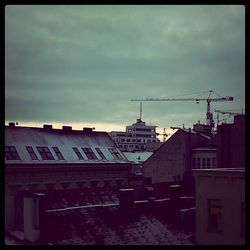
[(136, 137)]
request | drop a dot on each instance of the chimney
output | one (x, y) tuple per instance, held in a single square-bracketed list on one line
[(66, 128), (88, 130), (126, 199), (12, 125), (47, 127)]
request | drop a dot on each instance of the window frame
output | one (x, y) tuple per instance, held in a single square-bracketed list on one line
[(11, 153), (115, 153), (58, 153), (45, 153), (100, 153), (78, 153), (32, 153), (89, 153), (215, 216)]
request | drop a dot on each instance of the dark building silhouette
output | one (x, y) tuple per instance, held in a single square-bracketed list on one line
[(231, 144)]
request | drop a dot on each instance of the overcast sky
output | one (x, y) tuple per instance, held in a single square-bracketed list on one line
[(82, 64)]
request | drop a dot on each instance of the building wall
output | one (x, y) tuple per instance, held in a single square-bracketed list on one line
[(167, 164), (172, 161), (36, 178), (231, 144), (228, 188)]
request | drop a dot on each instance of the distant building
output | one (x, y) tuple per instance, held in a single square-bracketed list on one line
[(231, 143), (220, 206), (173, 161), (137, 137), (40, 159)]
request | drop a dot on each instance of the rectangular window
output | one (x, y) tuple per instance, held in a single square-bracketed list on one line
[(32, 153), (128, 140), (213, 162), (58, 153), (11, 153), (203, 162), (208, 162), (115, 153), (98, 150), (194, 162), (89, 153), (198, 162), (77, 152), (45, 153), (122, 140), (215, 215)]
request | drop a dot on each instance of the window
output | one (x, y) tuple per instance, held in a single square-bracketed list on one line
[(214, 162), (79, 155), (203, 162), (98, 150), (215, 215), (122, 140), (89, 153), (198, 162), (58, 153), (11, 153), (115, 153), (194, 162), (128, 140), (208, 162), (45, 153), (32, 153)]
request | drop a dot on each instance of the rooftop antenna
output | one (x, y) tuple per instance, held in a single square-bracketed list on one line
[(140, 111)]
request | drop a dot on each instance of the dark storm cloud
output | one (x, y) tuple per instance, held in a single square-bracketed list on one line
[(85, 63)]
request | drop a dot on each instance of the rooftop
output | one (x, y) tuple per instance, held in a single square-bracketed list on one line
[(59, 146)]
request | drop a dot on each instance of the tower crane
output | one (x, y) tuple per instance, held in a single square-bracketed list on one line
[(227, 112), (209, 115)]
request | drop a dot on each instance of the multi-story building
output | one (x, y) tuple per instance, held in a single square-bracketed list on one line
[(220, 192), (42, 159), (220, 206), (136, 137)]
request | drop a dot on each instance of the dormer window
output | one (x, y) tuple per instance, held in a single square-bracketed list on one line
[(11, 153), (58, 153), (32, 153), (114, 152), (45, 153), (98, 150), (89, 153), (79, 155)]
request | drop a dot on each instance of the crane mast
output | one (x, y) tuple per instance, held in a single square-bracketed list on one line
[(209, 115)]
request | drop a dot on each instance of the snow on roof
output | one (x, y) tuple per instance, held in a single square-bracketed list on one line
[(138, 157), (20, 137)]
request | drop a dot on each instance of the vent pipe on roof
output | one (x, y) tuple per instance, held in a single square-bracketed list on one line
[(47, 127), (12, 125), (66, 128)]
